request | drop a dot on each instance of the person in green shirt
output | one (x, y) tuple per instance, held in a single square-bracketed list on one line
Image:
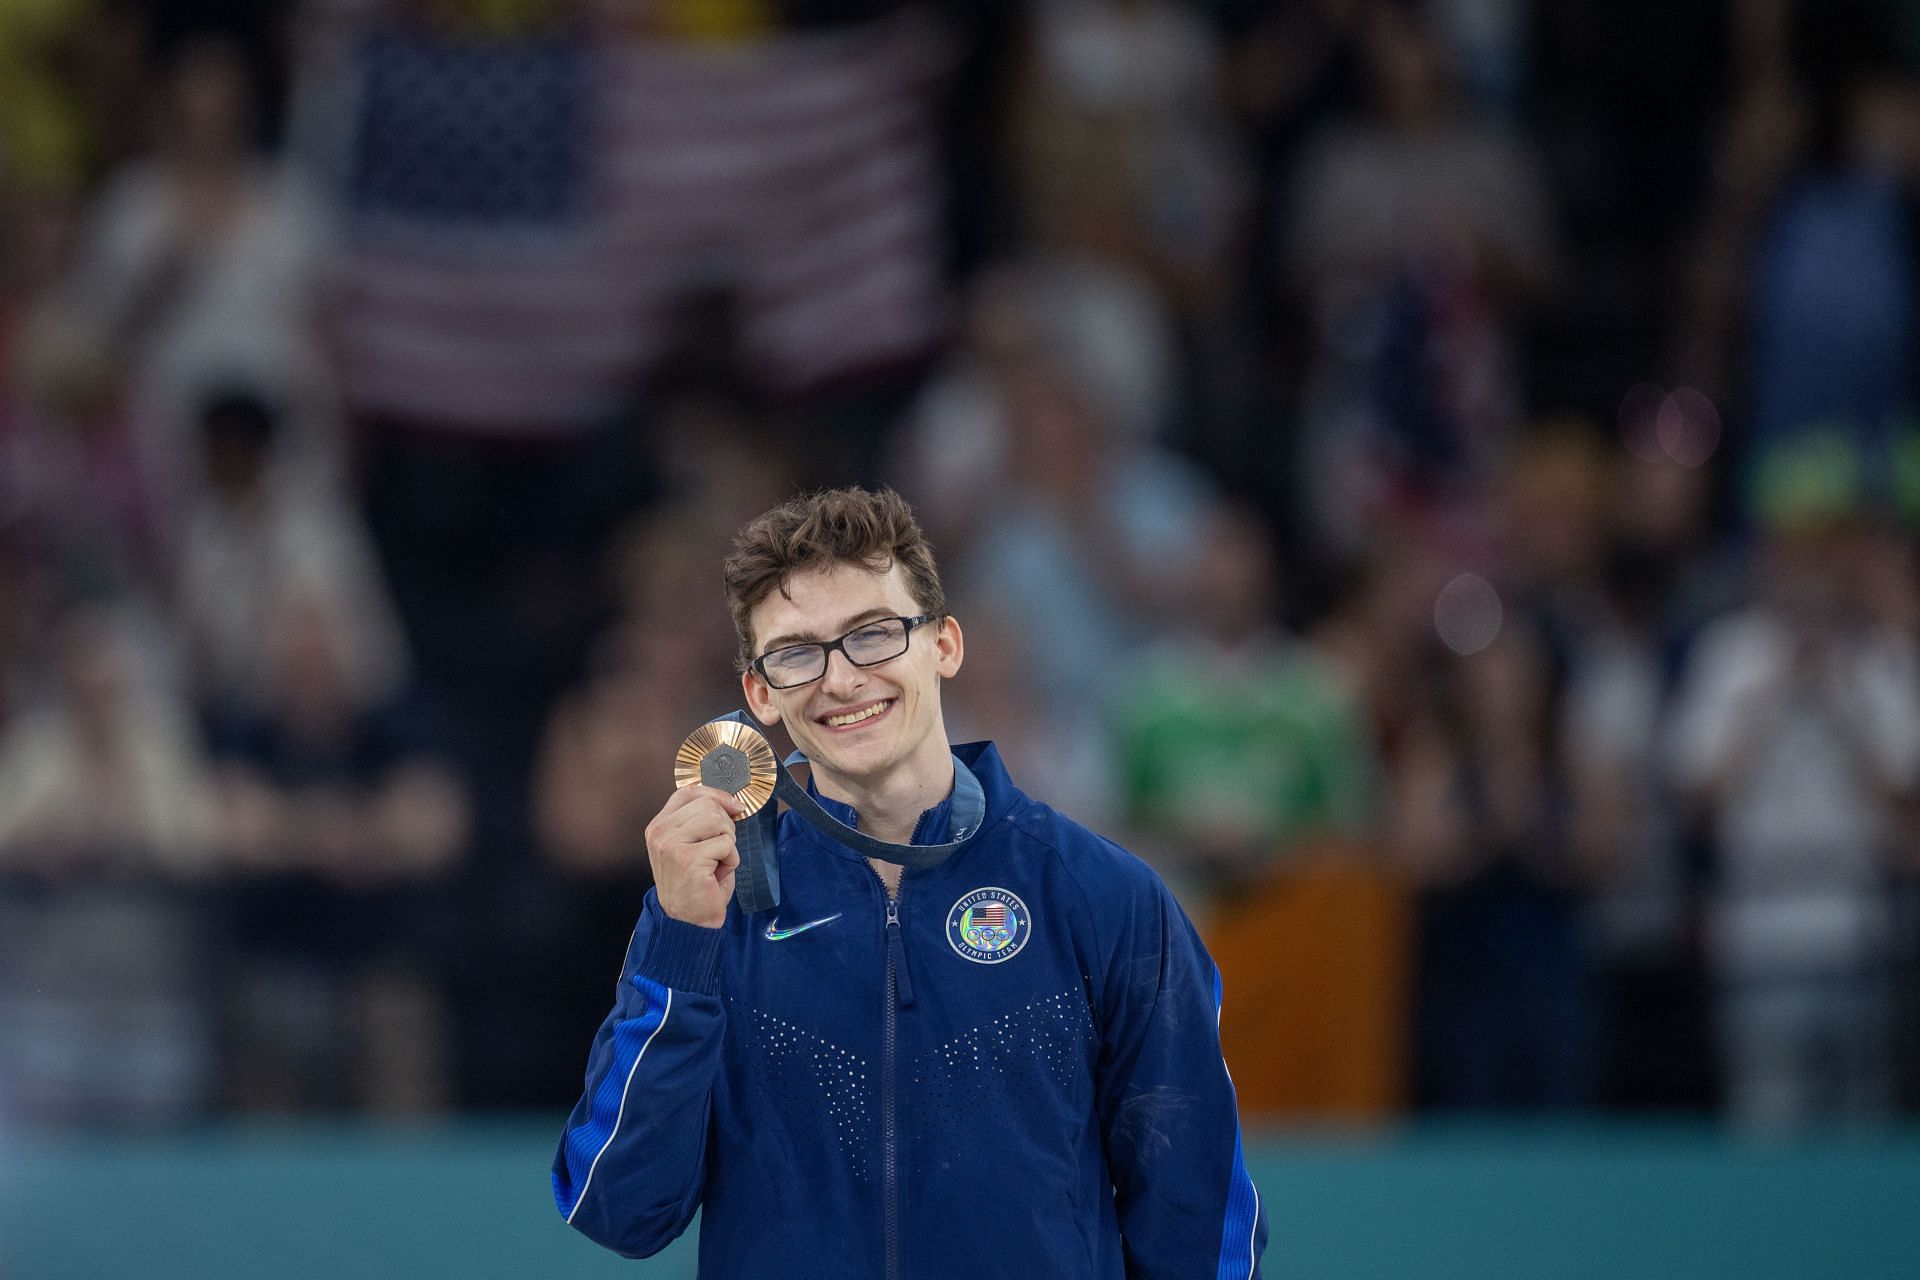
[(1235, 741)]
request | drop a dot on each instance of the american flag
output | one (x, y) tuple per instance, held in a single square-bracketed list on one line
[(523, 217), (799, 171), (478, 284), (989, 915)]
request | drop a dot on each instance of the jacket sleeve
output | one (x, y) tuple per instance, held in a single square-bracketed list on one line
[(632, 1164), (1188, 1210)]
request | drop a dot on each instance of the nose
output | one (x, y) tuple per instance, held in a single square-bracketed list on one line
[(842, 678)]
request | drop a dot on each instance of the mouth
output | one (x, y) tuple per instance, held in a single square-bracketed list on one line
[(850, 718)]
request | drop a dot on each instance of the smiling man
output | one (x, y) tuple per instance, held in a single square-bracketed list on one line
[(990, 1039)]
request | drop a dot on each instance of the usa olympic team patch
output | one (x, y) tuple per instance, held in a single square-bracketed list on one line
[(988, 926)]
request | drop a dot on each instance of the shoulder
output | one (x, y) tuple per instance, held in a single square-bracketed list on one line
[(1105, 874)]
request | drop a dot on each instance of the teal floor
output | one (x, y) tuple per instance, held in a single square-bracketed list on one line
[(1438, 1203)]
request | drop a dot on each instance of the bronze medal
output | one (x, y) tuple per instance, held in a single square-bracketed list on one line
[(728, 756)]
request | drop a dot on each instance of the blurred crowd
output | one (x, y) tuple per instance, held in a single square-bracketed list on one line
[(1467, 444)]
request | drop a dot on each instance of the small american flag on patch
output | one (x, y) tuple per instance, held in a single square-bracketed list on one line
[(990, 915)]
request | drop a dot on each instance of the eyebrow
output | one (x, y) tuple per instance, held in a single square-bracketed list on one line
[(807, 637)]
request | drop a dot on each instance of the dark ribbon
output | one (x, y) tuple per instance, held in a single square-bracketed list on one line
[(757, 881)]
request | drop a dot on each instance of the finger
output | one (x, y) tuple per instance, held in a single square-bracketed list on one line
[(713, 852), (670, 812), (726, 799), (699, 795), (697, 821)]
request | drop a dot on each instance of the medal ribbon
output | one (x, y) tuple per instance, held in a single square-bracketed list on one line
[(757, 883)]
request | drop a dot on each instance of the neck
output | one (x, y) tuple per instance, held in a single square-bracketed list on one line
[(890, 805)]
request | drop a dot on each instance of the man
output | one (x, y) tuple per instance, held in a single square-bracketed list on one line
[(1796, 733), (1007, 1059)]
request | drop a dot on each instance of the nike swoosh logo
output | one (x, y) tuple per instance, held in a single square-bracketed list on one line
[(776, 934)]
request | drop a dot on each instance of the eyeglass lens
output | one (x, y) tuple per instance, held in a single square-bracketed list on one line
[(864, 646)]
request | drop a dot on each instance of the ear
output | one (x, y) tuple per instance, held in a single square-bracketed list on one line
[(949, 647), (759, 699)]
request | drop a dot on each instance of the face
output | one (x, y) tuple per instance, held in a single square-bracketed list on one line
[(211, 97), (1806, 576), (1231, 580), (898, 701)]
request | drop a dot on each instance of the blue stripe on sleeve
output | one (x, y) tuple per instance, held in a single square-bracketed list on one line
[(586, 1143), (1242, 1221)]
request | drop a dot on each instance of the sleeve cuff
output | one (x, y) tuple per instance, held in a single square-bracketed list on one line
[(682, 956)]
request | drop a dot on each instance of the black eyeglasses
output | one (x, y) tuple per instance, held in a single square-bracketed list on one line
[(867, 645)]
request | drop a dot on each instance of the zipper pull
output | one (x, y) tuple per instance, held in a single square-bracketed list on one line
[(897, 952)]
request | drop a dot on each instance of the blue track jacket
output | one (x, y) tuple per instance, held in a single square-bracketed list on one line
[(1013, 1068)]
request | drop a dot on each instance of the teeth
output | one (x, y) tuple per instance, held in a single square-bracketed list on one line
[(857, 716)]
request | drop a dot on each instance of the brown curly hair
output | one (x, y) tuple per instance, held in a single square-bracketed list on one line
[(872, 528)]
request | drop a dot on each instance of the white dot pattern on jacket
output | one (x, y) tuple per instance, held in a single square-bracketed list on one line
[(1045, 1045), (808, 1074)]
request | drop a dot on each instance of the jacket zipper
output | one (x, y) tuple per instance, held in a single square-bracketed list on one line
[(899, 996)]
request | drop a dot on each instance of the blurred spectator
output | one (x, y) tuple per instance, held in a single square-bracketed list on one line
[(1478, 817), (352, 784), (1375, 630), (1105, 329), (952, 450), (662, 666), (37, 234), (36, 237), (1797, 733), (1082, 536), (1808, 267), (606, 761), (1665, 527), (1063, 749), (1554, 495), (1661, 576), (262, 522), (1604, 552), (1248, 766), (106, 773), (720, 456), (197, 266), (73, 471), (102, 838), (341, 818), (1417, 236), (1235, 743), (658, 668), (1126, 154), (1631, 840)]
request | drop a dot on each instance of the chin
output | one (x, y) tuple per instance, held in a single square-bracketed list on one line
[(858, 762), (868, 759)]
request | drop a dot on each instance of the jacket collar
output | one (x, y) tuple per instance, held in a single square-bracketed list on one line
[(982, 759)]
